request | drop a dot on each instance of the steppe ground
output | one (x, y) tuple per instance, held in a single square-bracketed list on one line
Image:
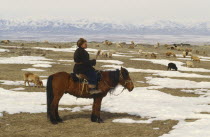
[(78, 123)]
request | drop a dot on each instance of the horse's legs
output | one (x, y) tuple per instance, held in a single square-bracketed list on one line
[(56, 112), (95, 117), (54, 117)]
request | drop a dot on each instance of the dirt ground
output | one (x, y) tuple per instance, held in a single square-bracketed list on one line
[(78, 124)]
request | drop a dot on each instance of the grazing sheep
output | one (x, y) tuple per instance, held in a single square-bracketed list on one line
[(172, 66), (184, 54), (146, 55), (153, 55), (169, 53), (140, 51), (97, 45), (131, 46), (109, 54), (189, 53), (108, 43), (47, 42), (30, 77), (190, 64), (132, 43), (195, 58), (5, 41), (188, 50), (119, 45), (157, 46), (106, 54)]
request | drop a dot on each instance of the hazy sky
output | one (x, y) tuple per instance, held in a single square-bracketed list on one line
[(132, 11)]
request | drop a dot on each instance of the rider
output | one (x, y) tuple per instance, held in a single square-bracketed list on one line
[(83, 65)]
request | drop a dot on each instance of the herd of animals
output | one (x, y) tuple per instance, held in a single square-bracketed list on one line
[(33, 78), (171, 66)]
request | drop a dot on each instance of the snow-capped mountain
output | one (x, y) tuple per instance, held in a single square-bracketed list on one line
[(101, 27)]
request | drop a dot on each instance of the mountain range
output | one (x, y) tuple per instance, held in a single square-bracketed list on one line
[(82, 26)]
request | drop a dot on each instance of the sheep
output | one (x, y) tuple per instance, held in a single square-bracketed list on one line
[(5, 41), (172, 66), (131, 46), (188, 50), (157, 46), (153, 55), (97, 45), (109, 54), (169, 53), (146, 54), (108, 43), (106, 54), (47, 42), (140, 51), (30, 77), (184, 54), (189, 53), (132, 43), (119, 45), (195, 58), (190, 64)]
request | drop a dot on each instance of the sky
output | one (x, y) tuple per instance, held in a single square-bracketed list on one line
[(128, 11)]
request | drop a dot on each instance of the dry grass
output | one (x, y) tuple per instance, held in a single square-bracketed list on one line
[(77, 124)]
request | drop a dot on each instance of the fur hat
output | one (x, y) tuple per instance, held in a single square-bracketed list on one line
[(81, 41)]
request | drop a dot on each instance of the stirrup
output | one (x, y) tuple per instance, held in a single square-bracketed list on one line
[(94, 91)]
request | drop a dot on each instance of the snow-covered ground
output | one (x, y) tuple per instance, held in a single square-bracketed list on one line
[(32, 69), (151, 104), (4, 50)]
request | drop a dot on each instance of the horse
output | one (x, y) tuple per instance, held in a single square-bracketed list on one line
[(62, 82)]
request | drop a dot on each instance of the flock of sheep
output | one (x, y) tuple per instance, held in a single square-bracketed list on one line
[(186, 51)]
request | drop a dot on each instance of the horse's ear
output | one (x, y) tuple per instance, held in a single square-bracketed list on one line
[(121, 68)]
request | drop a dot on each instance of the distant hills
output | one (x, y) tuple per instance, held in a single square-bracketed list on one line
[(101, 27)]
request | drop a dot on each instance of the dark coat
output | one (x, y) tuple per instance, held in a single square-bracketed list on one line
[(81, 56)]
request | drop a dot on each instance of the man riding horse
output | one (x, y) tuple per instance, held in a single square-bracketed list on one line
[(83, 65), (62, 82)]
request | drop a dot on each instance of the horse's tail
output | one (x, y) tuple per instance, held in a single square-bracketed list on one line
[(49, 94)]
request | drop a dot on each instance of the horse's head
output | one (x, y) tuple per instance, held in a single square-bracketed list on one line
[(125, 79)]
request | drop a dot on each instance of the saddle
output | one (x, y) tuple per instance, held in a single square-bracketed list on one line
[(83, 78)]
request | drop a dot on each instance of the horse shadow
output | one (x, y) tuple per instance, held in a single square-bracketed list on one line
[(104, 115)]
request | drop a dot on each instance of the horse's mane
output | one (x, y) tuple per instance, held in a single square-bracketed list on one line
[(114, 75)]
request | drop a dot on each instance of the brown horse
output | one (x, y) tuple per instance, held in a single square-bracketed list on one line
[(62, 82)]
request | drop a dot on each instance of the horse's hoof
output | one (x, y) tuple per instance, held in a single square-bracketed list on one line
[(100, 120), (54, 122), (94, 118), (60, 120)]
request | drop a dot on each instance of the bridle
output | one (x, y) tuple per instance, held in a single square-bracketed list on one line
[(125, 81), (121, 78)]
